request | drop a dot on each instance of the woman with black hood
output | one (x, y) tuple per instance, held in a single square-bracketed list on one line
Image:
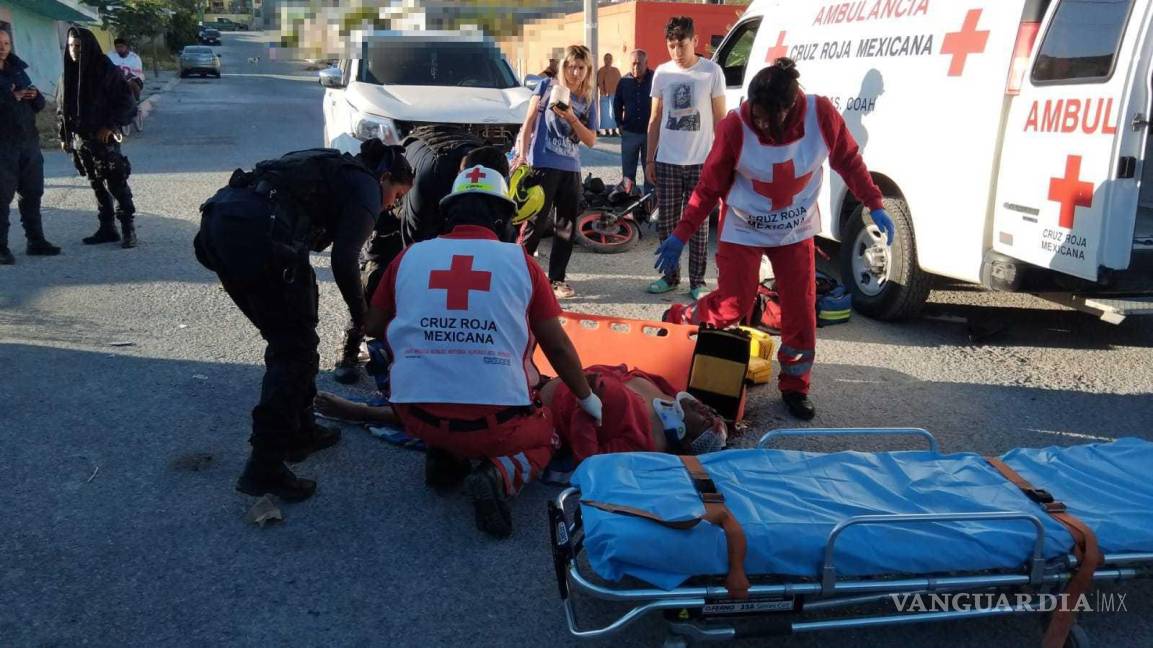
[(94, 103), (21, 164)]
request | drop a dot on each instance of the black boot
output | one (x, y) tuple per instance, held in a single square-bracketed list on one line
[(106, 234), (443, 471), (6, 257), (274, 478), (129, 230), (493, 513), (41, 247), (799, 405), (346, 371), (313, 438)]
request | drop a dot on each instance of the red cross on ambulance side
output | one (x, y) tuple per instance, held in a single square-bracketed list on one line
[(458, 281), (961, 44), (1071, 192), (785, 185), (777, 51)]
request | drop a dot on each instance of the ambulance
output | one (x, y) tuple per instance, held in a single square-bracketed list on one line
[(1009, 137)]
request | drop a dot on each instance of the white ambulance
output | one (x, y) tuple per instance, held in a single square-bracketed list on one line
[(1009, 137)]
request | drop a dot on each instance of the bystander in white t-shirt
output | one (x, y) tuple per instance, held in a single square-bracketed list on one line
[(130, 64), (687, 117)]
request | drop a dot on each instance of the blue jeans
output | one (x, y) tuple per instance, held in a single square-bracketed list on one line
[(634, 147), (605, 120)]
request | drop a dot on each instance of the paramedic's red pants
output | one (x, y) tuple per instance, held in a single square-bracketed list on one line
[(520, 448), (738, 270)]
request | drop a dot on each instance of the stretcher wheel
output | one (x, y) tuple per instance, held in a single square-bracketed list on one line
[(1077, 638)]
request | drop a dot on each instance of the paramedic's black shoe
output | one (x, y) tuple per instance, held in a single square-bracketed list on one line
[(106, 234), (6, 257), (799, 405), (314, 438), (443, 471), (493, 514), (263, 478), (41, 247)]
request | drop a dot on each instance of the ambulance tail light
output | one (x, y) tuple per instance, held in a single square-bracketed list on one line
[(1026, 37)]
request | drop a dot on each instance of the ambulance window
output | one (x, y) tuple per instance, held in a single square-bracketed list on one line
[(1082, 42), (734, 53)]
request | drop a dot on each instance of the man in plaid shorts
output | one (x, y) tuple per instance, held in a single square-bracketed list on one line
[(688, 102)]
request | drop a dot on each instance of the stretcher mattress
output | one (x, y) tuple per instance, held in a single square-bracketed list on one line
[(789, 501)]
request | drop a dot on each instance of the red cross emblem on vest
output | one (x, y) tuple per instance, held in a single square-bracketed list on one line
[(783, 190), (475, 175), (458, 280), (1071, 192), (965, 42)]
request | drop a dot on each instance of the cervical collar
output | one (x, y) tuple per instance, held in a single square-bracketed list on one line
[(672, 415)]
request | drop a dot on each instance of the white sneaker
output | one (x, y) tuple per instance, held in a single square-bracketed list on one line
[(562, 290)]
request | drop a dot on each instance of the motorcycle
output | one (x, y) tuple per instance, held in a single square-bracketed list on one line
[(610, 219)]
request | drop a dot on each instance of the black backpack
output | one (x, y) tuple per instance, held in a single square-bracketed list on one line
[(269, 219), (435, 153)]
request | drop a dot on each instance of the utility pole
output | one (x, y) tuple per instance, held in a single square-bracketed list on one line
[(591, 20)]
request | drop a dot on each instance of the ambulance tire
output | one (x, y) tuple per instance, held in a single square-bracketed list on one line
[(907, 288)]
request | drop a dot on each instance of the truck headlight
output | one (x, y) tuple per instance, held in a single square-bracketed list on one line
[(366, 127)]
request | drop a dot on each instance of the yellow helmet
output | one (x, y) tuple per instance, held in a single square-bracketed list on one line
[(529, 198)]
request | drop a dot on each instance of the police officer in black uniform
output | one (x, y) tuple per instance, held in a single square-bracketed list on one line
[(311, 199), (95, 102)]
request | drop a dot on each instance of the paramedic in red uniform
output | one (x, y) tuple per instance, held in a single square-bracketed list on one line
[(461, 315), (767, 167)]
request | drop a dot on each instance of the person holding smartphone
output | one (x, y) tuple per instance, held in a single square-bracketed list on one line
[(561, 117), (21, 164)]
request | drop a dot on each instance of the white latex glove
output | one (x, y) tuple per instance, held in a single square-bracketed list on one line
[(591, 404)]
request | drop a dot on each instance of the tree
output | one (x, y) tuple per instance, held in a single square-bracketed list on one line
[(135, 20)]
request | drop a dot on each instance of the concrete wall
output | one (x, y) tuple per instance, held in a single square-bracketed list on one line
[(36, 39), (623, 27)]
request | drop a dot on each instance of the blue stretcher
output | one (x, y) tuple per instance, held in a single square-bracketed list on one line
[(849, 528)]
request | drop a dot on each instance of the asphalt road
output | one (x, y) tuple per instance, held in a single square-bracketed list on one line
[(128, 377)]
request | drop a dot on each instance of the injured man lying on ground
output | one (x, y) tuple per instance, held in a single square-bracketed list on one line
[(642, 413)]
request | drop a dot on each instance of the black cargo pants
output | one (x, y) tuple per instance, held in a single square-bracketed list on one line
[(284, 308)]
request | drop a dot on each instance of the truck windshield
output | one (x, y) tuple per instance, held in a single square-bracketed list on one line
[(471, 65)]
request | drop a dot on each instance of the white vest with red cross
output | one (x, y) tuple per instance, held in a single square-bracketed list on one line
[(773, 200), (461, 331)]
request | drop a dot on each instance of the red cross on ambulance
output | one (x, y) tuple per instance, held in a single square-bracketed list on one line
[(1071, 192), (961, 44), (777, 51), (458, 281), (783, 189)]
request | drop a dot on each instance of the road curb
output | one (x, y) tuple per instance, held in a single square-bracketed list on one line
[(146, 106)]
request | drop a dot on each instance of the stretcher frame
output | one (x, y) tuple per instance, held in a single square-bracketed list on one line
[(708, 613)]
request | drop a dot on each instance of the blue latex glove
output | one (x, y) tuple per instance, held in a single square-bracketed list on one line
[(882, 220), (669, 256)]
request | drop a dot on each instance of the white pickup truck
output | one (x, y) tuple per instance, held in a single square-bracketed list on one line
[(400, 80)]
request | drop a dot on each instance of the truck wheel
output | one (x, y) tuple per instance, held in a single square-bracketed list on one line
[(886, 282)]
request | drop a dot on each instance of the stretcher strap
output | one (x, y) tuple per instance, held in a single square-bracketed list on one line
[(716, 513), (1085, 548)]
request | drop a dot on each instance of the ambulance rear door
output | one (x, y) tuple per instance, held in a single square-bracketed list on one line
[(1068, 181)]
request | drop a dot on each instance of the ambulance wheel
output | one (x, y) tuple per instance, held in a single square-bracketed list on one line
[(1077, 638), (596, 235), (886, 282)]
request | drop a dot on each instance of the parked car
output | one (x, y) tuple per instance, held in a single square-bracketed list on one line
[(209, 36), (410, 79), (195, 59), (226, 24)]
